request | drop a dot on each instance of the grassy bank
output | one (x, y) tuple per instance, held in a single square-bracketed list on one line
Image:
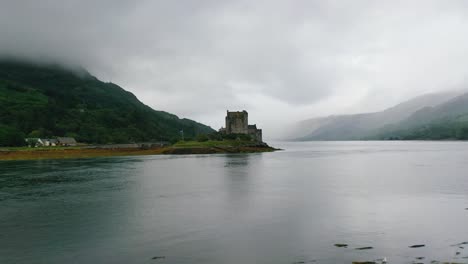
[(185, 147), (68, 153)]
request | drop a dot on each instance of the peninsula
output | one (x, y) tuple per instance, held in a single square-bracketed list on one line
[(185, 147), (50, 112), (237, 137)]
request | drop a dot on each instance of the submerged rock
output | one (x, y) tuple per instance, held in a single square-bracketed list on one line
[(460, 244), (377, 261), (341, 245), (364, 248), (417, 246)]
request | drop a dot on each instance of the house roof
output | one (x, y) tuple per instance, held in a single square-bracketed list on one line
[(66, 140)]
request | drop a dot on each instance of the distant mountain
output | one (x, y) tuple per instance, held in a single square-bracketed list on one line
[(452, 108), (368, 125), (444, 121), (45, 101)]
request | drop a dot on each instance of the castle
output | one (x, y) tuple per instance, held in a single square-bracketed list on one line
[(238, 123)]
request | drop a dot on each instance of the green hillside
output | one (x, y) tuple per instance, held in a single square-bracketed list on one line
[(447, 121), (363, 126), (450, 127), (46, 101), (437, 116)]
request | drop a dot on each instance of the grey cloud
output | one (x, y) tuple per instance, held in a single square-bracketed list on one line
[(197, 58)]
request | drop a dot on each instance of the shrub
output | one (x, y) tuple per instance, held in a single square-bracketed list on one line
[(202, 138)]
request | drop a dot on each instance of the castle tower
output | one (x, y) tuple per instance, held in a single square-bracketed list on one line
[(237, 122)]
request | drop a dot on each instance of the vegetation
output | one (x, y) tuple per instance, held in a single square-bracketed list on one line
[(217, 136), (441, 116), (46, 101), (443, 129), (418, 110), (214, 143), (71, 153), (182, 147), (10, 136)]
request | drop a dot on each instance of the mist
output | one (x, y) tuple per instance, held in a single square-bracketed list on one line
[(282, 61)]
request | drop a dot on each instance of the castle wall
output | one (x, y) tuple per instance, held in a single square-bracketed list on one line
[(255, 133), (259, 135)]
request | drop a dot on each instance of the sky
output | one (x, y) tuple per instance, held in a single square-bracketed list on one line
[(282, 61)]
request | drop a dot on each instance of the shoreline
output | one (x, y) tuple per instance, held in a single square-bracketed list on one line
[(86, 152)]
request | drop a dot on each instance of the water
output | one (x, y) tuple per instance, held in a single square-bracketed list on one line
[(284, 207)]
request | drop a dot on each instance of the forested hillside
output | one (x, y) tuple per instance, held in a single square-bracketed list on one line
[(445, 121), (47, 101), (374, 125)]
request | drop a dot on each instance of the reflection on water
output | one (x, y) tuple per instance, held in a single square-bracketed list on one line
[(283, 207)]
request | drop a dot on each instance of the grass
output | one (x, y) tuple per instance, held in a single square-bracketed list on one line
[(36, 148), (183, 147), (68, 153), (212, 143)]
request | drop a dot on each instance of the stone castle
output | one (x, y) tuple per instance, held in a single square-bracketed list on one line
[(238, 123)]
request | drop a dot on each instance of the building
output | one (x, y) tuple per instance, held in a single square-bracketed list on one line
[(41, 142), (50, 142), (66, 141), (255, 133), (33, 142), (238, 123)]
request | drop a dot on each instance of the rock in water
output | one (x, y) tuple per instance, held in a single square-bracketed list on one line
[(417, 246), (341, 245), (364, 248)]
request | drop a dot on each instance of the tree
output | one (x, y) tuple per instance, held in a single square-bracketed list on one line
[(202, 138), (11, 137)]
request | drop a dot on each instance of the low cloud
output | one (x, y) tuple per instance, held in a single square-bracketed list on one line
[(284, 60)]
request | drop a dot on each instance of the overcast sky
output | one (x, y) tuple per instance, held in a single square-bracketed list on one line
[(281, 60)]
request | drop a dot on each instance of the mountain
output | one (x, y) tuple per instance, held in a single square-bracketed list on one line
[(456, 106), (367, 125), (448, 120), (49, 100)]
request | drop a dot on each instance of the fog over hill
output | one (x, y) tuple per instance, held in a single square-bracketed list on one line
[(39, 100), (416, 111), (283, 61)]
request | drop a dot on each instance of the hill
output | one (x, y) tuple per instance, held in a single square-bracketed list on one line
[(49, 100), (414, 112), (445, 121)]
